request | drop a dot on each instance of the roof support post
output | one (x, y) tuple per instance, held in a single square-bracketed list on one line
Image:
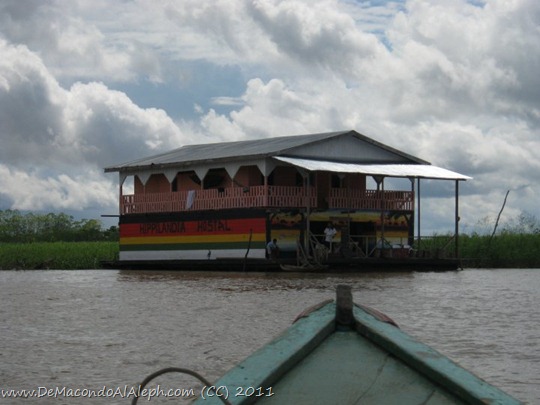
[(265, 181), (419, 215), (380, 187), (305, 175), (121, 179), (383, 209), (456, 231), (410, 240)]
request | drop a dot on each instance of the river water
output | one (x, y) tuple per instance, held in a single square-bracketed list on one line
[(92, 330)]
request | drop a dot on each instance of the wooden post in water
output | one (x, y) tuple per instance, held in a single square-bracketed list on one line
[(248, 248)]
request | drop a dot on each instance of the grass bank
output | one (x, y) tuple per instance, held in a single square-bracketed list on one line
[(56, 255), (506, 250)]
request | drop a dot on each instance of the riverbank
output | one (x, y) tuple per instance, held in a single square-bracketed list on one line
[(501, 251), (56, 255), (506, 250)]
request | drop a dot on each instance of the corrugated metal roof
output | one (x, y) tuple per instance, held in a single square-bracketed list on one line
[(226, 150), (242, 150), (391, 170)]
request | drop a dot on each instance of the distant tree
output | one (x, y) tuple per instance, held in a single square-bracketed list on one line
[(112, 234), (32, 227), (89, 229), (524, 223)]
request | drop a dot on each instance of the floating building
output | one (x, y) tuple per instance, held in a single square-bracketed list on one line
[(221, 203)]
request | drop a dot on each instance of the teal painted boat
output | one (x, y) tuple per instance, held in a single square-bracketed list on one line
[(341, 353)]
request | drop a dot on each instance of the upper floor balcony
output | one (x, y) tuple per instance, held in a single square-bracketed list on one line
[(266, 197)]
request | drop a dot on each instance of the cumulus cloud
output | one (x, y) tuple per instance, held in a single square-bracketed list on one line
[(32, 190), (470, 59), (53, 137), (318, 35), (109, 127), (30, 106), (456, 86), (453, 82), (69, 45), (219, 31)]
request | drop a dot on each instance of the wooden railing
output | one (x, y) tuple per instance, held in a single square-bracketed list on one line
[(281, 196), (371, 199), (216, 199), (263, 196)]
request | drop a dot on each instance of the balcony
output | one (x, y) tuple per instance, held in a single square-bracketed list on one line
[(264, 197), (371, 199)]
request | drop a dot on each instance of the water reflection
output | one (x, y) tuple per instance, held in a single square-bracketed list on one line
[(253, 281)]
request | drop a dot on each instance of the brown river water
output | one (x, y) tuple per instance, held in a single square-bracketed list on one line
[(74, 335)]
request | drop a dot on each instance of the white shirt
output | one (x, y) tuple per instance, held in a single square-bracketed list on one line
[(329, 234)]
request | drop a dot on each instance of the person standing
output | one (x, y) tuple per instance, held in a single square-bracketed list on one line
[(329, 233), (272, 249)]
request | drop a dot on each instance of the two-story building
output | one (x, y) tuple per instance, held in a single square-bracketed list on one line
[(228, 200)]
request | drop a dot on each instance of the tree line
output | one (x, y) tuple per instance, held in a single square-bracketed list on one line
[(29, 227)]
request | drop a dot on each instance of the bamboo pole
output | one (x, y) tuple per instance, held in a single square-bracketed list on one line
[(498, 218)]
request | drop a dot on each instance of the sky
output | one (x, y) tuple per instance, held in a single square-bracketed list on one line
[(86, 84)]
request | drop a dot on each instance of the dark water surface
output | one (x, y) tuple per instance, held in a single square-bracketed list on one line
[(92, 329)]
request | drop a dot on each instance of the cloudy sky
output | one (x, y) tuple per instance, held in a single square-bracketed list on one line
[(86, 84)]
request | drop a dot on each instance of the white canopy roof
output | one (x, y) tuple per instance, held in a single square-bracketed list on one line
[(390, 170)]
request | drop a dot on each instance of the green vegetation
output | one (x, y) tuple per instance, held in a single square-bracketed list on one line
[(517, 244), (504, 250), (54, 241), (56, 255), (501, 251), (57, 241), (31, 227)]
